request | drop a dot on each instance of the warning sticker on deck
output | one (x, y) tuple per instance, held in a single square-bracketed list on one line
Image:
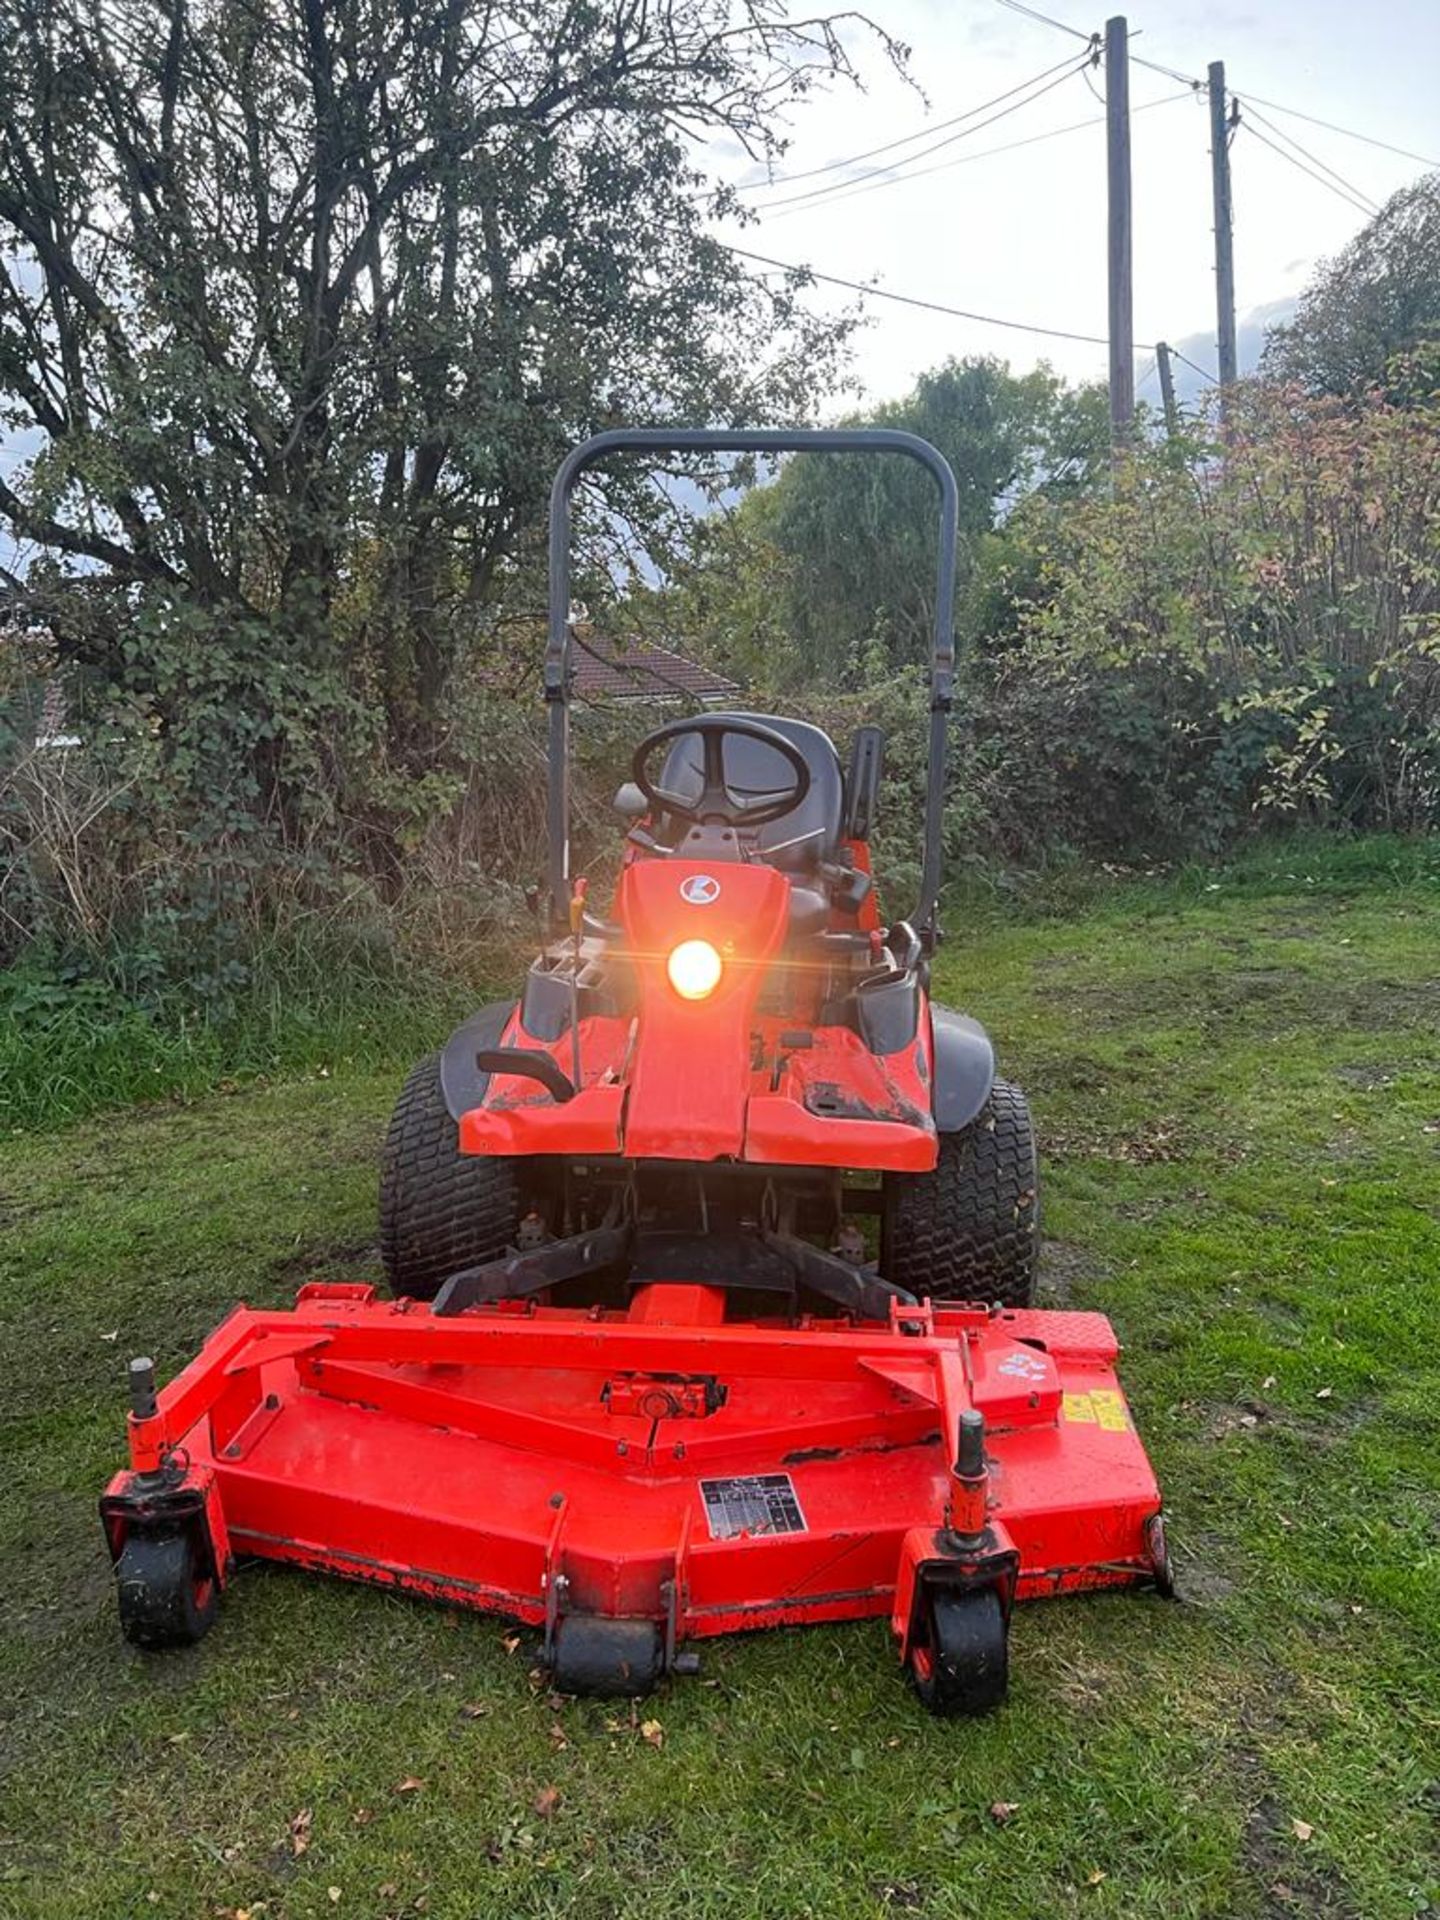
[(752, 1503), (1101, 1407)]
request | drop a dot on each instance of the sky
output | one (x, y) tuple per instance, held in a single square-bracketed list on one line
[(1022, 234)]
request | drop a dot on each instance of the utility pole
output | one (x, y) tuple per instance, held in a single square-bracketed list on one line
[(1167, 388), (1224, 234), (1122, 301)]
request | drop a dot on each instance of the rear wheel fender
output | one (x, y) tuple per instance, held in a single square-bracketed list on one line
[(964, 1068), (462, 1083)]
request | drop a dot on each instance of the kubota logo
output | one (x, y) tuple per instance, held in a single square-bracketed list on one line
[(700, 889)]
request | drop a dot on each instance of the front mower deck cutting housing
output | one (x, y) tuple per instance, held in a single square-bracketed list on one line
[(711, 1256)]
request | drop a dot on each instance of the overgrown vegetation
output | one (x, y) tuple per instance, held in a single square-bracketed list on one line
[(299, 305), (1237, 1084)]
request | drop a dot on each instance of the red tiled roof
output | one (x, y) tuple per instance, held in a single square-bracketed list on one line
[(643, 670)]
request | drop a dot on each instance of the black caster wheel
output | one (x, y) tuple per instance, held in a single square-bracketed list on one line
[(1160, 1557), (622, 1658), (165, 1598), (960, 1661)]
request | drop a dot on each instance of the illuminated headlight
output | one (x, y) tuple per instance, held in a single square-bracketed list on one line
[(694, 969)]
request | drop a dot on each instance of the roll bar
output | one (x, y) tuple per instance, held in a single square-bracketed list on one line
[(758, 440)]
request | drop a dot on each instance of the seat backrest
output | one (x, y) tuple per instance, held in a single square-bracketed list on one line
[(809, 833)]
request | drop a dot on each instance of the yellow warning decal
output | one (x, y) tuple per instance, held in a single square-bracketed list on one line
[(1101, 1408)]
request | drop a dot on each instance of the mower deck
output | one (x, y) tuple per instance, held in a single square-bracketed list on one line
[(633, 1480)]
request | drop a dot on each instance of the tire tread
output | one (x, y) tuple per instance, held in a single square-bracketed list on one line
[(969, 1229), (440, 1210)]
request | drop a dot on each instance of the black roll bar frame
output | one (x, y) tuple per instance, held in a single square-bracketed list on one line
[(757, 440)]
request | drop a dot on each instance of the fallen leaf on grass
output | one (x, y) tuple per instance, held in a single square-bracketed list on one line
[(1325, 1393), (1003, 1810), (510, 1642), (362, 1816), (1301, 1829), (557, 1735), (1267, 1383), (334, 1893), (300, 1831), (652, 1733), (546, 1802), (476, 1710), (409, 1784), (1094, 1879)]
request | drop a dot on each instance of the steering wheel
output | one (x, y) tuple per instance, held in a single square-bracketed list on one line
[(716, 801)]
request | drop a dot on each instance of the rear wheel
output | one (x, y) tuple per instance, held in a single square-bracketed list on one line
[(969, 1229), (440, 1210)]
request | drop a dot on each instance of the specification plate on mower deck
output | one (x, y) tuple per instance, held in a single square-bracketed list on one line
[(752, 1503)]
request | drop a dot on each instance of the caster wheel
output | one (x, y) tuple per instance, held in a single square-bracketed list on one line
[(165, 1600), (616, 1657), (961, 1664), (1160, 1557)]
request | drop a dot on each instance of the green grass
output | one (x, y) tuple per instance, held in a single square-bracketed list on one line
[(69, 1048), (1239, 1092)]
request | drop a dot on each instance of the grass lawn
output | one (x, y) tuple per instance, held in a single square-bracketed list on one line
[(1238, 1086)]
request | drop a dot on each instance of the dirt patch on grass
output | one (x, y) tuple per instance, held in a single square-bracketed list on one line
[(1290, 1883), (1201, 1580), (1211, 996), (58, 1572), (1065, 1274), (345, 1260), (1158, 1142), (1380, 1006)]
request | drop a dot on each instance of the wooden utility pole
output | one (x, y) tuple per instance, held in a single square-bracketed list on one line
[(1167, 388), (1224, 233), (1122, 300)]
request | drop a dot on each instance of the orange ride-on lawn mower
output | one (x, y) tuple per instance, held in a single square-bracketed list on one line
[(640, 1381)]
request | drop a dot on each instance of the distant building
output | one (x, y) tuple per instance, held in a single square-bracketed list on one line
[(605, 673)]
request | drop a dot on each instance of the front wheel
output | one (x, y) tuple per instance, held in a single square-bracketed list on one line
[(970, 1228), (167, 1599), (440, 1210), (960, 1661)]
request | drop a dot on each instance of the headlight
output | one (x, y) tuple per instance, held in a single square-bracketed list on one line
[(694, 969)]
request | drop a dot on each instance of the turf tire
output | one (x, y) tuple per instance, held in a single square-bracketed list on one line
[(969, 1229), (440, 1210)]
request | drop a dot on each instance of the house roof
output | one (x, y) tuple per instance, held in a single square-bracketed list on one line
[(642, 670)]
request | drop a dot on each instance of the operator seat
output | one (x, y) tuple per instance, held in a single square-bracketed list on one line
[(799, 840)]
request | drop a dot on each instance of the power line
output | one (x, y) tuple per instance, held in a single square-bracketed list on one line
[(985, 153), (1331, 126), (816, 193), (833, 166), (913, 300), (1063, 26), (1045, 19), (1253, 114), (1340, 193), (930, 306), (1171, 73), (1349, 132), (1193, 368)]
